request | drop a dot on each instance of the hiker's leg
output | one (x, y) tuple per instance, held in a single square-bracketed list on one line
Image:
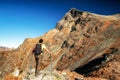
[(37, 62)]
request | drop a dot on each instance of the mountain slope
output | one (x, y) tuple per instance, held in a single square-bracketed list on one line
[(78, 38)]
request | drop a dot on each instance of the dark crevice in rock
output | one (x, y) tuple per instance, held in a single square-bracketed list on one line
[(96, 29), (66, 17), (82, 21), (86, 35), (77, 21), (73, 28), (113, 50), (91, 66), (59, 27), (96, 63), (72, 46), (65, 44), (75, 12)]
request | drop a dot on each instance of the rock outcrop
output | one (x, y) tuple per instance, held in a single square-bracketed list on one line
[(78, 38)]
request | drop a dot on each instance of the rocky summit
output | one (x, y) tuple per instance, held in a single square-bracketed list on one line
[(84, 46)]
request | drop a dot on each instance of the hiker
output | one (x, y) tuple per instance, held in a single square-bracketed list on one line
[(40, 47)]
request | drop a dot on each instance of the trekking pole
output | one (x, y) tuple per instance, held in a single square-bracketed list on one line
[(51, 67)]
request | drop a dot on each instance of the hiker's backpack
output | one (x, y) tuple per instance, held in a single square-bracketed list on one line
[(38, 49)]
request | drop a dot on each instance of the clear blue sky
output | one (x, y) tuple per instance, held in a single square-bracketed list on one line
[(21, 19)]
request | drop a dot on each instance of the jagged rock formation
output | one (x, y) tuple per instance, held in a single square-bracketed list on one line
[(78, 38)]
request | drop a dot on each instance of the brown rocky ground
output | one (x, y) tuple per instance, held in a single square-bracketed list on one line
[(110, 70), (82, 42)]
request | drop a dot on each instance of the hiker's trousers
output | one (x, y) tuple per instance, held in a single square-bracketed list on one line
[(37, 59)]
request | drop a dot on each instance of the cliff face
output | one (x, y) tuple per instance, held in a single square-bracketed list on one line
[(88, 36), (78, 38)]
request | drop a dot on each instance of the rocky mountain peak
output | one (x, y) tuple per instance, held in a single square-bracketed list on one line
[(72, 15)]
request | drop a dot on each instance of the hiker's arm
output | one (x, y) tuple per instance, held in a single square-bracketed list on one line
[(47, 50)]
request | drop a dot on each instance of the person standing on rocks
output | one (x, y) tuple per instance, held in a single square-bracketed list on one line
[(38, 50)]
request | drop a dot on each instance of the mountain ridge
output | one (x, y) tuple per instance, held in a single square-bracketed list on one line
[(2, 48), (78, 38)]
